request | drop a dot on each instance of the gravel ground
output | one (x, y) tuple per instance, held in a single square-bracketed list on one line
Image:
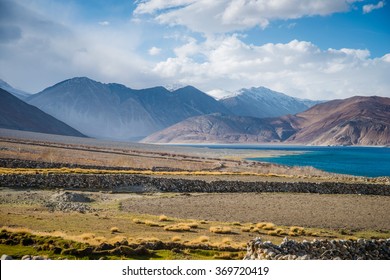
[(309, 210)]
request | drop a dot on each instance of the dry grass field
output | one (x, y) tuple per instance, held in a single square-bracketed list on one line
[(225, 220)]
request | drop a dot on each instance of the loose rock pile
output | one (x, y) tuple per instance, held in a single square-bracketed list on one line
[(70, 197), (25, 257), (69, 201), (360, 249)]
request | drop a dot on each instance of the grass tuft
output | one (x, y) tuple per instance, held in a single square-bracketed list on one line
[(246, 229), (221, 230), (297, 231), (176, 238), (114, 230), (152, 224), (163, 218), (138, 221), (269, 226), (177, 227), (201, 239)]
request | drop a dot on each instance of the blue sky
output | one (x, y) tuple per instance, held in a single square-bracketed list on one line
[(305, 48)]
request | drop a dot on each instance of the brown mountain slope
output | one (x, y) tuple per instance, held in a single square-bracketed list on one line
[(353, 121), (217, 128)]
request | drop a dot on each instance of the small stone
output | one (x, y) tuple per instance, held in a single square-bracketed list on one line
[(6, 257), (272, 254)]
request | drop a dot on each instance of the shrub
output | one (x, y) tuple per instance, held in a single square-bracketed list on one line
[(236, 224), (273, 233), (297, 230), (177, 227), (260, 225), (221, 230), (227, 241), (114, 230), (246, 229), (151, 223), (163, 218), (276, 232), (343, 232), (269, 226), (255, 229), (192, 225), (138, 221), (176, 238)]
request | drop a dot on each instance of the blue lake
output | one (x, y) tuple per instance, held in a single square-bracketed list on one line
[(360, 161)]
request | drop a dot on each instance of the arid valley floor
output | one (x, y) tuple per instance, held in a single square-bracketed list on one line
[(76, 198)]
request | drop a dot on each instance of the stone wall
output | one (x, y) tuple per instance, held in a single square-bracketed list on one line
[(360, 249), (136, 183)]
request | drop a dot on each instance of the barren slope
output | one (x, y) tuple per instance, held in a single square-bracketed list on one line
[(353, 121)]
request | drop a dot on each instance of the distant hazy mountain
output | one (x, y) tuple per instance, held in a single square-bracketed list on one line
[(117, 112), (353, 121), (16, 92), (262, 102), (18, 115)]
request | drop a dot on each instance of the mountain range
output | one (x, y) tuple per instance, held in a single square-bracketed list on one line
[(115, 111), (352, 121), (81, 106), (18, 115)]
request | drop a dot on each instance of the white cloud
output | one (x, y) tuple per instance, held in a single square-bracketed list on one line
[(154, 51), (370, 7), (298, 68), (47, 51), (232, 15), (386, 58), (104, 23), (39, 51)]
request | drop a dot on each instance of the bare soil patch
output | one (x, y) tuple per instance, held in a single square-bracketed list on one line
[(309, 210)]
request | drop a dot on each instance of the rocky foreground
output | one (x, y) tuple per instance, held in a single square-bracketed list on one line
[(360, 249)]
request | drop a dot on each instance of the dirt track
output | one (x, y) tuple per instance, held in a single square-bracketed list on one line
[(309, 210)]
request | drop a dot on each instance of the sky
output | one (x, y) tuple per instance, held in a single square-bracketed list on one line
[(304, 48)]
